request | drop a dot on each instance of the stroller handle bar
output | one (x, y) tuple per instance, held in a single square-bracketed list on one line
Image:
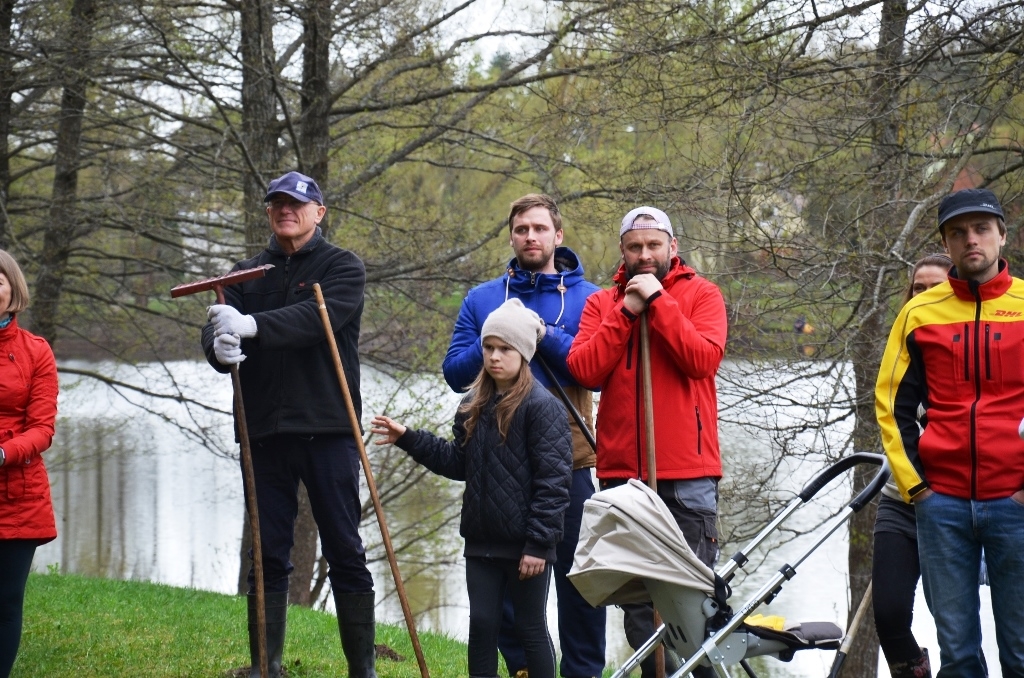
[(846, 463), (739, 559)]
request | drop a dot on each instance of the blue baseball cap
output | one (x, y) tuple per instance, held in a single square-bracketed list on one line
[(967, 201), (298, 186)]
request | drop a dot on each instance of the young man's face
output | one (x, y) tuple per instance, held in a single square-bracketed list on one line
[(647, 251), (534, 240), (973, 242)]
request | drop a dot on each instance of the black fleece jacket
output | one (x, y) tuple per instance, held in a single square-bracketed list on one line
[(289, 382), (517, 490)]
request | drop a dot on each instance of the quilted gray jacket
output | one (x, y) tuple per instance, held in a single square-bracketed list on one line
[(517, 490)]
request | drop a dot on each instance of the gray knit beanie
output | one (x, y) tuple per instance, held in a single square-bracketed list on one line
[(516, 325)]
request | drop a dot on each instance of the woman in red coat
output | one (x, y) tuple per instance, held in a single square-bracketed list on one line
[(28, 408)]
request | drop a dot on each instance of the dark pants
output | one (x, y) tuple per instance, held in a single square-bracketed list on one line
[(488, 581), (15, 563), (894, 575), (329, 468), (581, 627), (701, 534)]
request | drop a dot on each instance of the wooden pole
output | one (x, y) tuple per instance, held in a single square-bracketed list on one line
[(652, 467), (249, 479), (354, 421)]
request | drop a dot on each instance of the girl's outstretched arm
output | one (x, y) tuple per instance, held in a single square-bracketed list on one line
[(387, 427)]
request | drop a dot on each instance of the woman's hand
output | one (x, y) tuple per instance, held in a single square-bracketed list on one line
[(387, 427), (531, 566)]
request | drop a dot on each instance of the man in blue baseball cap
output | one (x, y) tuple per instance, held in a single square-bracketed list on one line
[(956, 351), (298, 420)]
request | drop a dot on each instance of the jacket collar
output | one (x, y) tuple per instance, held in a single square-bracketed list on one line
[(570, 272), (677, 270), (274, 248), (969, 290), (9, 332)]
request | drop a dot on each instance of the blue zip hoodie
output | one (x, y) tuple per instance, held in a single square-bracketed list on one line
[(558, 298)]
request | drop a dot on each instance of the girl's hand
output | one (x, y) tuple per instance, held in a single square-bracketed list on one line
[(387, 427), (531, 566)]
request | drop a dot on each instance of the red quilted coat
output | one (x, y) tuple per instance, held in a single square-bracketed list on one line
[(28, 408)]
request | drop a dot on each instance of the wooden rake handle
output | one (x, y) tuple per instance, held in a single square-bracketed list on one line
[(354, 421)]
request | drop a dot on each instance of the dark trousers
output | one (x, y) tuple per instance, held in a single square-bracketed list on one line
[(894, 575), (581, 627), (329, 468), (488, 580), (15, 563), (701, 534)]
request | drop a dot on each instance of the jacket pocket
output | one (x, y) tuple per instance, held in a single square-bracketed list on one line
[(15, 482), (35, 481)]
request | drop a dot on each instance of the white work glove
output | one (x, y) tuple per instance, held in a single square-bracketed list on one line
[(228, 349), (227, 320), (1020, 428)]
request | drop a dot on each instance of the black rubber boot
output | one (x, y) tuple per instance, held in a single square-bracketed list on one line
[(277, 616), (918, 668), (356, 624)]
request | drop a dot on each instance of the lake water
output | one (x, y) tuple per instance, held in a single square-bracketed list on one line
[(154, 492)]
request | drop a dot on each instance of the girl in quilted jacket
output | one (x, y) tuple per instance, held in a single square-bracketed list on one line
[(28, 408), (513, 449)]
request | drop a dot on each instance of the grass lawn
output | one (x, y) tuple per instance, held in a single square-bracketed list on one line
[(83, 627)]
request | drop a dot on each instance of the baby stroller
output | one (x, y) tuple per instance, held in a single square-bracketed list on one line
[(631, 550)]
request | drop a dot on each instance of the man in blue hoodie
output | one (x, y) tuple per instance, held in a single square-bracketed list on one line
[(548, 279)]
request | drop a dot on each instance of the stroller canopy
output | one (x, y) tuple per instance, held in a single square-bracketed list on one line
[(627, 535)]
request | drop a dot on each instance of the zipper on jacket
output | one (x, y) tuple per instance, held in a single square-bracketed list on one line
[(629, 352), (700, 429), (977, 389), (988, 352), (967, 352)]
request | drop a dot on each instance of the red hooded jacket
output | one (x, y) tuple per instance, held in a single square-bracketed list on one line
[(28, 409), (687, 330)]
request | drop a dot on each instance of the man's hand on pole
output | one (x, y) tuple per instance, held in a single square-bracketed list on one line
[(228, 349), (227, 320), (638, 290)]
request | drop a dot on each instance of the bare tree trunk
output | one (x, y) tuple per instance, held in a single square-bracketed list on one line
[(259, 124), (63, 227), (889, 168), (303, 553), (6, 86), (259, 146), (314, 141)]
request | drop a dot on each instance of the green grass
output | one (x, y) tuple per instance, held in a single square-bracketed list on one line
[(83, 627)]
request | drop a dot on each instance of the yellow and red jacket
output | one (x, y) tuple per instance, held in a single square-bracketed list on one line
[(687, 324), (958, 350)]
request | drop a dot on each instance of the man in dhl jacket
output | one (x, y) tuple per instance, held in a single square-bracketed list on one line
[(957, 350)]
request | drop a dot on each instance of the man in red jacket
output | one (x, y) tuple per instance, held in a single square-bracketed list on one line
[(687, 329)]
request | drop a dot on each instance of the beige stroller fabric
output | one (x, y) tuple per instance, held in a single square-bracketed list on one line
[(627, 535)]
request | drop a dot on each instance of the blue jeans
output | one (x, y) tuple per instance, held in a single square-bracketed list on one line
[(951, 533), (581, 627), (328, 465)]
